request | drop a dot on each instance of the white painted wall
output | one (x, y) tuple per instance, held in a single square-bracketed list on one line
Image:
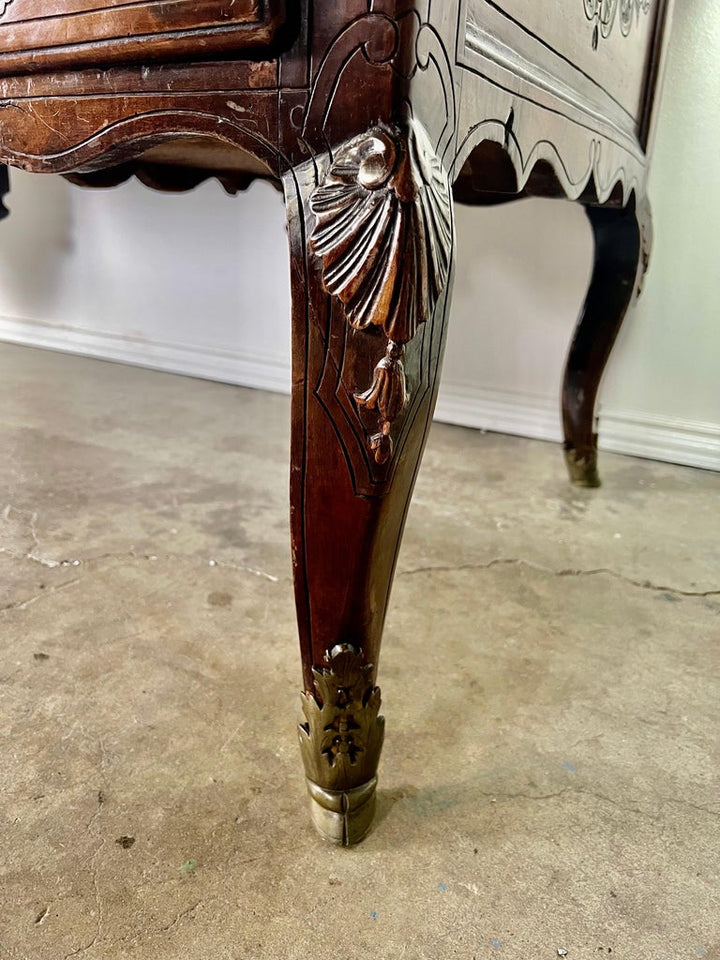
[(198, 283)]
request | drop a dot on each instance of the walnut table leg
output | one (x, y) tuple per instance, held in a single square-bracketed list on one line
[(622, 248), (371, 239)]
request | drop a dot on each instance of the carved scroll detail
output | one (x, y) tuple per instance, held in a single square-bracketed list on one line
[(606, 13), (342, 737), (384, 234)]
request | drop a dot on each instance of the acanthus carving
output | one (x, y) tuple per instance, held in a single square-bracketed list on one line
[(342, 737), (605, 14), (384, 234)]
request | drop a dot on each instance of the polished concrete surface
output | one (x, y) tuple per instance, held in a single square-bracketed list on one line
[(550, 680)]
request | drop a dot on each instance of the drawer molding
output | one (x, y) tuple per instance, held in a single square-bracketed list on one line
[(40, 36), (564, 86), (563, 43)]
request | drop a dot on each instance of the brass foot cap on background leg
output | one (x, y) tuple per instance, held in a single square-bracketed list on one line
[(583, 470), (343, 816)]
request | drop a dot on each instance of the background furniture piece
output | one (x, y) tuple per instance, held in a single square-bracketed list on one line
[(371, 114)]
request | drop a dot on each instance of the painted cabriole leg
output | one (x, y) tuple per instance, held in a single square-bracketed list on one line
[(4, 190), (622, 247), (371, 238)]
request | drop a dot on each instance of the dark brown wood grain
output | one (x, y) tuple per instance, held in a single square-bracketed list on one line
[(370, 114), (40, 35), (622, 247), (4, 189)]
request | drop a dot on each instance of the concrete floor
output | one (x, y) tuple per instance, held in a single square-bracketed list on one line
[(549, 781)]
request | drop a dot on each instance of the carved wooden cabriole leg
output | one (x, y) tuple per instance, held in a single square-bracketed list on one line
[(622, 249), (4, 190), (371, 238)]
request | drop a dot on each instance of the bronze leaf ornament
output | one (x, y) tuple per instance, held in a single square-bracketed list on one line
[(340, 744)]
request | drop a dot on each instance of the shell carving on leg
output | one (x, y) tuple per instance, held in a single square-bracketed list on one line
[(383, 231)]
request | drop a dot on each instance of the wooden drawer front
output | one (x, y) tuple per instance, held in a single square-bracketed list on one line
[(43, 34), (608, 40)]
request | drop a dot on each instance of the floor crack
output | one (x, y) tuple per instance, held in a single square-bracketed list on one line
[(22, 604), (526, 796), (30, 516), (693, 806), (129, 555), (180, 916), (226, 564), (83, 948), (631, 806), (568, 572)]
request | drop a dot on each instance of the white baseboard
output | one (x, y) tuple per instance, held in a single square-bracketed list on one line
[(687, 442), (209, 363), (520, 414), (671, 439)]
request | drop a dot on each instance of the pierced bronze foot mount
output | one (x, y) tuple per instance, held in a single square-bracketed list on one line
[(340, 743)]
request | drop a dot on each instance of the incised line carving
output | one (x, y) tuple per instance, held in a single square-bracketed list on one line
[(383, 231), (4, 4), (342, 737), (606, 13)]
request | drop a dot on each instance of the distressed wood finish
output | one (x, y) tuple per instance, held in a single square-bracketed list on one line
[(370, 113), (53, 34), (623, 239)]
